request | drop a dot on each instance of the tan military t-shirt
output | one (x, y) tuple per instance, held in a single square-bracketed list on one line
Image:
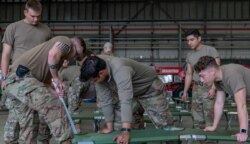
[(22, 36), (107, 53), (195, 55), (36, 59), (234, 78)]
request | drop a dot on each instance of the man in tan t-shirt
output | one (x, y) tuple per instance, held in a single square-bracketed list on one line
[(202, 96), (107, 49), (233, 79), (19, 37), (30, 81)]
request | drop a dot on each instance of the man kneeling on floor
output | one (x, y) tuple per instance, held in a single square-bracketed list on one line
[(131, 80)]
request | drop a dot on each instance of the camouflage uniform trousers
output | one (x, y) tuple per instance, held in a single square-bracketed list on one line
[(24, 124), (137, 109), (36, 96), (73, 92), (155, 105), (202, 106), (12, 127), (20, 126), (44, 134), (137, 121)]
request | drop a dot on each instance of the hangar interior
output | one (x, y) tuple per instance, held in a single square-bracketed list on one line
[(150, 31)]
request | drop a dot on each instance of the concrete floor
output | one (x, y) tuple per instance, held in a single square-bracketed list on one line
[(87, 126)]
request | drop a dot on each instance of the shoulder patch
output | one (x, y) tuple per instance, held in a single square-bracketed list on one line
[(63, 47)]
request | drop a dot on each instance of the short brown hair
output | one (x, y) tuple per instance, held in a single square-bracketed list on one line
[(194, 32), (82, 42), (34, 5), (205, 62)]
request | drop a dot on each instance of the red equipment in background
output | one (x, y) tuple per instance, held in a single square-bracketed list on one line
[(173, 77)]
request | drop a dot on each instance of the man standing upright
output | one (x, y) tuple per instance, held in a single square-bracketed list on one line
[(19, 37), (107, 49), (202, 95)]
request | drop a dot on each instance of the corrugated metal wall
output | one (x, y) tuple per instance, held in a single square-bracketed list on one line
[(150, 31)]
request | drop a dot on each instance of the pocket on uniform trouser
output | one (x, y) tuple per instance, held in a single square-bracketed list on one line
[(11, 128), (157, 88), (9, 104), (157, 109), (157, 84)]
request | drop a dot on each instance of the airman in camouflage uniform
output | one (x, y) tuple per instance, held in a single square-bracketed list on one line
[(202, 95), (19, 37), (29, 91), (30, 82)]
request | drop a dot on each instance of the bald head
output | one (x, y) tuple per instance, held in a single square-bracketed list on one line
[(107, 47)]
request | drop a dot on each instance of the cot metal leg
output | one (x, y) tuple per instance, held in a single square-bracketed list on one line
[(97, 125), (231, 116), (226, 116)]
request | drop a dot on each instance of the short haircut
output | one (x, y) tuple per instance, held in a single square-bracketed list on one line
[(194, 32), (108, 45), (205, 62), (82, 42), (91, 68), (34, 5)]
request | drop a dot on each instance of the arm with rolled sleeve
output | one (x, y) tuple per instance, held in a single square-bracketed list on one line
[(104, 96), (123, 79)]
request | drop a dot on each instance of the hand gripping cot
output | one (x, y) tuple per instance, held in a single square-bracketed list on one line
[(158, 135)]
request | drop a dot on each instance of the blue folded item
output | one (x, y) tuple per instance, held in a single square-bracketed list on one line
[(89, 100)]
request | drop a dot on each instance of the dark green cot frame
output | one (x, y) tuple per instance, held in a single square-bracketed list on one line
[(158, 135), (98, 116)]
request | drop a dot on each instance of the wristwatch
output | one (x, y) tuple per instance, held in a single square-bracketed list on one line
[(3, 78), (125, 129), (243, 131)]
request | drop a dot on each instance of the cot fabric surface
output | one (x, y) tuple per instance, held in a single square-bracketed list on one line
[(158, 135)]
